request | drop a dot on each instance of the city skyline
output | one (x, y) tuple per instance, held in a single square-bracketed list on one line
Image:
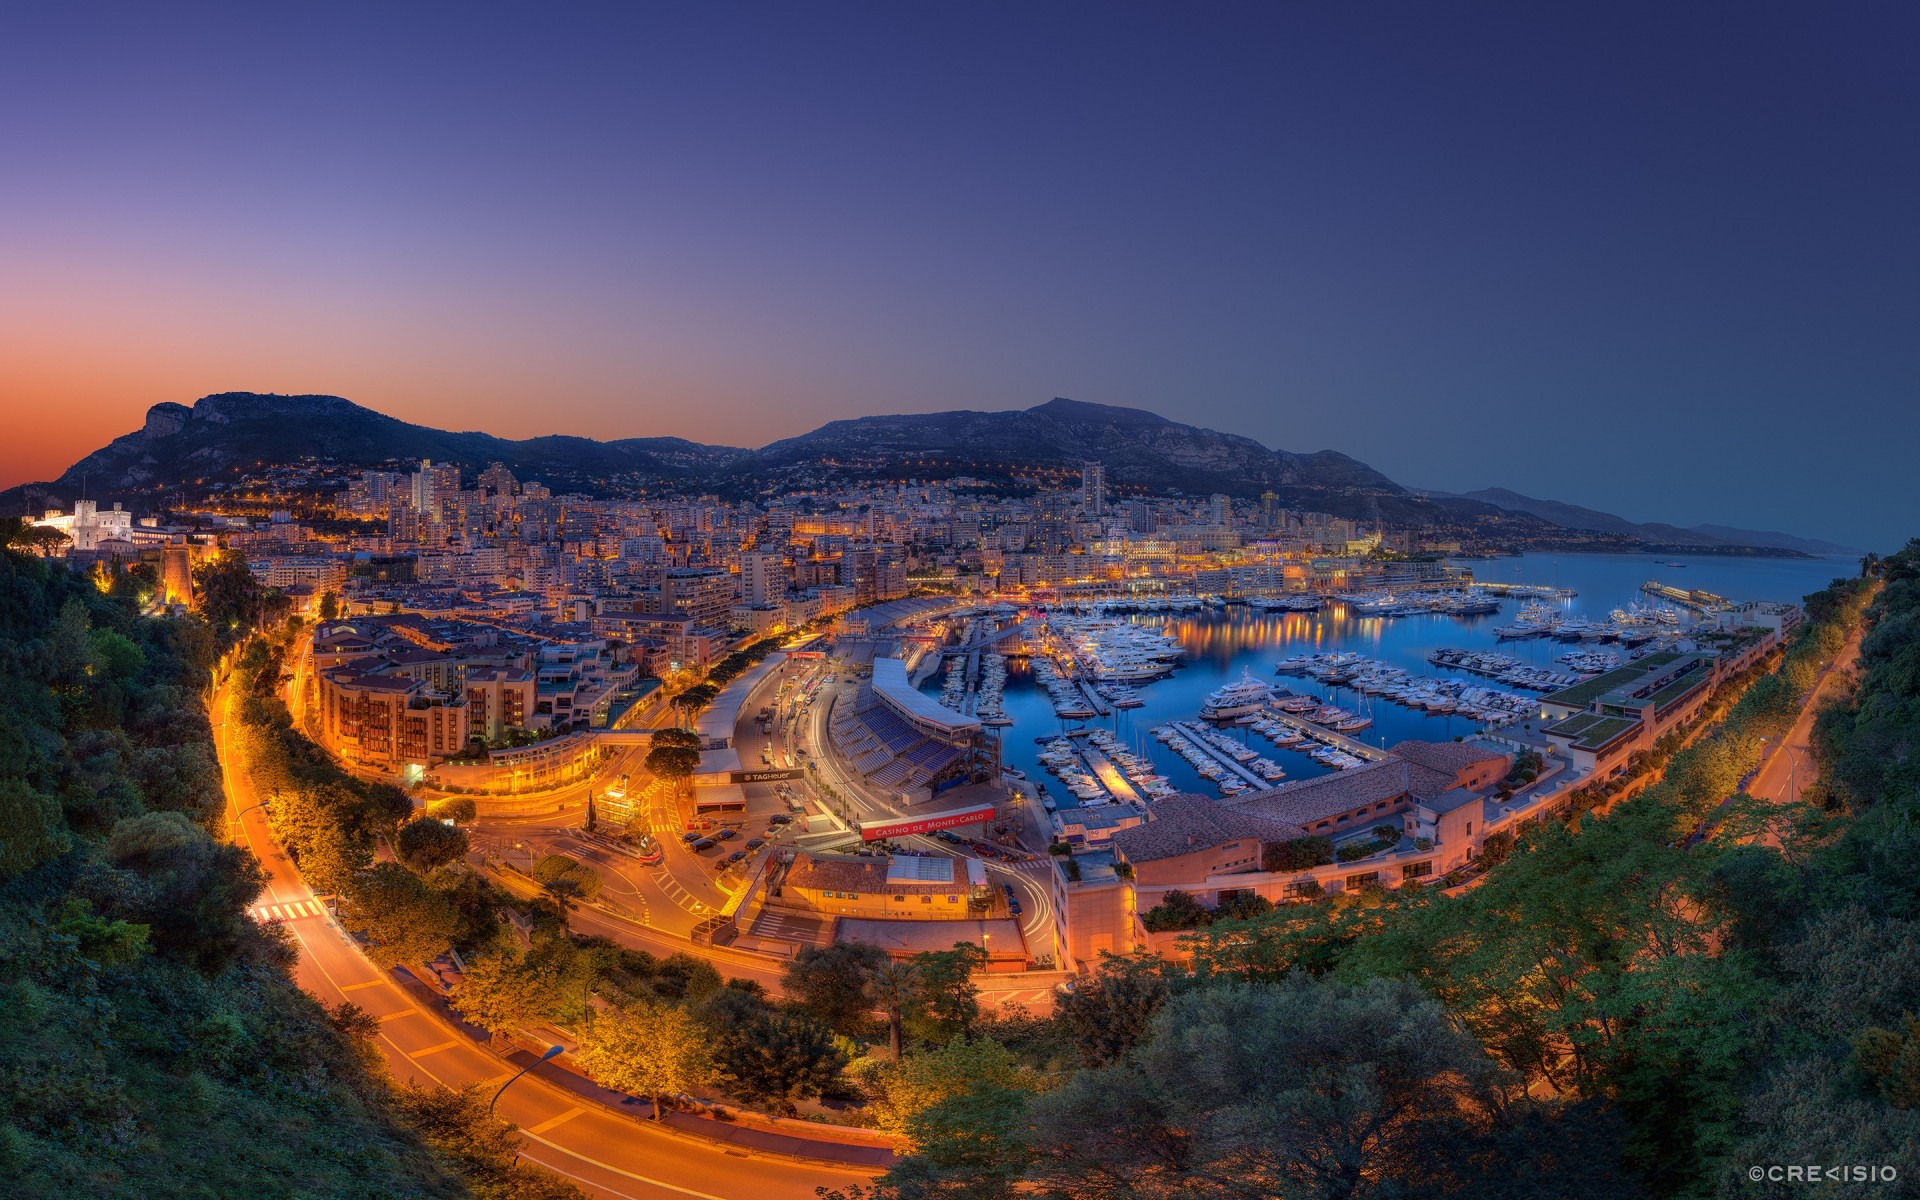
[(1389, 234)]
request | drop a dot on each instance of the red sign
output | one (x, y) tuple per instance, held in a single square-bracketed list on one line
[(873, 831), (806, 654)]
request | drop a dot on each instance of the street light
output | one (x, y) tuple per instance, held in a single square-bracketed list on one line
[(552, 1052)]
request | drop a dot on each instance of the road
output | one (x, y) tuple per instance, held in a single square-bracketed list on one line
[(1790, 769), (605, 1153)]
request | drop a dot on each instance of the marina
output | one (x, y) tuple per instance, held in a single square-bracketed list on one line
[(1454, 675)]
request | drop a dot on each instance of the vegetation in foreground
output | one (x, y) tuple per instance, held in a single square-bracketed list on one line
[(152, 1042)]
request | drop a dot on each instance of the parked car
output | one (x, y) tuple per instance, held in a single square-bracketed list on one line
[(704, 844), (724, 834), (690, 836), (779, 819), (952, 839), (733, 858), (755, 843)]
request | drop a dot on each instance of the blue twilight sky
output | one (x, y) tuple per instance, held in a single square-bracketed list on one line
[(1660, 259)]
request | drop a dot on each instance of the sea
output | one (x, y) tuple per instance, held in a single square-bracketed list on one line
[(1221, 644)]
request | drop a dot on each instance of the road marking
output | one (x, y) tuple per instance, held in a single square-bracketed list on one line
[(432, 1049), (354, 987), (395, 1016), (562, 1119), (659, 1183)]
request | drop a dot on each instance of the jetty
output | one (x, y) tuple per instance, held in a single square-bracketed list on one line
[(1110, 775), (1696, 599), (1327, 737), (1240, 770)]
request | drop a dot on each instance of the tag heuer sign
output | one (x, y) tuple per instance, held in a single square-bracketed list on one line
[(767, 776)]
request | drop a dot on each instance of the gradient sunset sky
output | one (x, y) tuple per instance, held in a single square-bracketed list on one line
[(1661, 259)]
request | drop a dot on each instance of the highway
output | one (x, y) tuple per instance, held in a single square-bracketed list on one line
[(605, 1153)]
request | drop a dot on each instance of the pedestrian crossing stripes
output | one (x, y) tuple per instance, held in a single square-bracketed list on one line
[(295, 911)]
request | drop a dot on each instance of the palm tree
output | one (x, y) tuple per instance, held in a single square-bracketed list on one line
[(894, 986)]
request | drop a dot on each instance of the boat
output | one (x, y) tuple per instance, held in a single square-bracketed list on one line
[(1243, 697)]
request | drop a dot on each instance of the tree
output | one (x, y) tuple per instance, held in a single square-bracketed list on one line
[(502, 992), (564, 874), (949, 999), (459, 809), (832, 982), (1296, 854), (676, 737), (911, 1087), (647, 1049), (227, 596), (35, 831), (425, 843), (329, 605), (1110, 1011), (1177, 910), (590, 821), (673, 763), (1310, 1089), (485, 1150), (777, 1057), (404, 921), (894, 988)]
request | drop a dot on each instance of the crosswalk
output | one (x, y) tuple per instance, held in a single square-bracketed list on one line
[(295, 911)]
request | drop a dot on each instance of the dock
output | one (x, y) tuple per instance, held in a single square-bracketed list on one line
[(1696, 599), (1110, 776), (1327, 737), (1093, 698), (1240, 770)]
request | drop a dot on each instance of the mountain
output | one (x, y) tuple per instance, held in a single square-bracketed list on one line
[(1707, 538), (222, 437), (233, 430)]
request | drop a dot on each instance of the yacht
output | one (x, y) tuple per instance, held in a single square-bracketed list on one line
[(1243, 697)]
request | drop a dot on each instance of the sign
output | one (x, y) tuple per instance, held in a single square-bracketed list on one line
[(766, 776), (806, 654), (973, 814)]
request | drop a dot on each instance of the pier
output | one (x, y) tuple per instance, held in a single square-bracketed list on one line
[(1110, 776), (1240, 770), (1695, 599), (1093, 698), (1325, 736)]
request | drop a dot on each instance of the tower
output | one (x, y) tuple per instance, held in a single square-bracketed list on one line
[(1093, 488)]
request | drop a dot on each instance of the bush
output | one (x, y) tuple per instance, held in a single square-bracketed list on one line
[(1298, 854), (459, 810), (1387, 833), (1176, 910), (562, 870), (1354, 851)]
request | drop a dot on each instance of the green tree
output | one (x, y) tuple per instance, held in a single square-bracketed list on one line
[(894, 988), (404, 921), (329, 605), (1177, 910), (502, 992), (1110, 1011), (425, 843), (1309, 1089), (832, 982), (1297, 854), (909, 1088), (647, 1049), (35, 831), (949, 1004), (777, 1057), (675, 764)]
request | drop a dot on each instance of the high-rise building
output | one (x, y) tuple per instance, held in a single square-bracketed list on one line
[(1093, 488), (496, 480), (702, 595), (763, 579), (1269, 511), (1220, 509)]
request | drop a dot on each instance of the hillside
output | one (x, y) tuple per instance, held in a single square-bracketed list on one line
[(221, 437), (1706, 539)]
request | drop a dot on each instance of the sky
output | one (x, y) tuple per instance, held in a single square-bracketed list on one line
[(1658, 259)]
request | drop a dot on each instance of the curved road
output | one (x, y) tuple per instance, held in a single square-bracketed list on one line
[(606, 1154)]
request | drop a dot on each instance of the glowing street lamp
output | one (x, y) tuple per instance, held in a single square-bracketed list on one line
[(552, 1052)]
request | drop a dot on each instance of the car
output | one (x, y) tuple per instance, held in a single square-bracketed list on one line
[(1013, 908), (703, 845), (690, 836), (779, 819), (733, 858), (755, 843), (951, 839), (724, 834)]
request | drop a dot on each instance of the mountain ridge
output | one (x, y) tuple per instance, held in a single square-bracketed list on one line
[(1574, 516), (225, 433)]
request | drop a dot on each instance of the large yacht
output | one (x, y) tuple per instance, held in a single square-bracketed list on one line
[(1243, 697)]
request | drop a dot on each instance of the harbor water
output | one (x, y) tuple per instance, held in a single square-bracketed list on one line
[(1223, 643)]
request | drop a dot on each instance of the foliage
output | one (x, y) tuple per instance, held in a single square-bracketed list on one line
[(764, 1055), (1109, 1011), (1297, 854), (919, 1082), (578, 878), (403, 919), (647, 1049), (425, 843), (948, 1004), (1177, 910), (833, 983)]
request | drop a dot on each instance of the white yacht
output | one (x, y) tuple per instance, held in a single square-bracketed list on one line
[(1243, 697)]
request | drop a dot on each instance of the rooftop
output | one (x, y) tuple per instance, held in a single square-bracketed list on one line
[(1183, 823)]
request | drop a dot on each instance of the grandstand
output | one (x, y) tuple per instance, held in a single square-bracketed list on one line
[(873, 739)]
